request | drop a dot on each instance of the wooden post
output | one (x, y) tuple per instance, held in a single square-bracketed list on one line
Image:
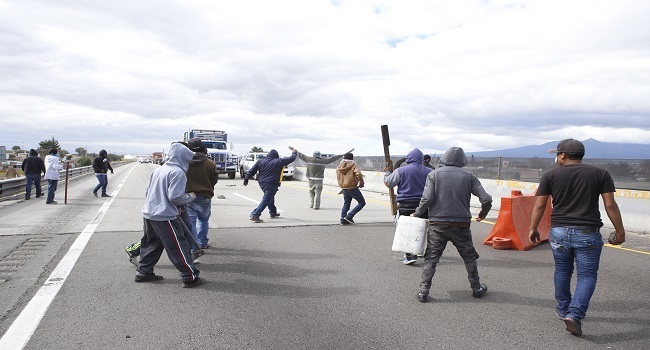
[(67, 170), (389, 163)]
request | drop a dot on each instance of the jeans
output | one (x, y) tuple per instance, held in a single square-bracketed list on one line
[(348, 195), (103, 182), (315, 189), (200, 209), (36, 180), (268, 200), (583, 247), (51, 188)]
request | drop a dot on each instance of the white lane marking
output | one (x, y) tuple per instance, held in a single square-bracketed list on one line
[(23, 327), (252, 200)]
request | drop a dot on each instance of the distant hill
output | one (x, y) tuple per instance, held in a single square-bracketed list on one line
[(594, 150)]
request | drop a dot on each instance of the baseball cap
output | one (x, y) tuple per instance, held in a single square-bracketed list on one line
[(569, 146)]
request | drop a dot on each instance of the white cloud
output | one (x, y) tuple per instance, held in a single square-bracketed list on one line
[(132, 77)]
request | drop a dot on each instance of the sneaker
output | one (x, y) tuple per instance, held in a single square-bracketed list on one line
[(52, 202), (349, 219), (343, 222), (196, 261), (573, 326), (560, 316), (148, 278), (105, 195), (197, 282), (39, 195), (26, 198), (133, 259), (95, 194), (256, 219), (409, 261), (197, 253), (316, 208), (481, 291), (423, 297), (274, 216)]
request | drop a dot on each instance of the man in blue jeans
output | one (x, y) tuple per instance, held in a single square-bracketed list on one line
[(101, 166), (270, 177), (202, 176), (350, 179), (575, 227)]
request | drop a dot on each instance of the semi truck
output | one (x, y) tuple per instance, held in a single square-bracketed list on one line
[(218, 148)]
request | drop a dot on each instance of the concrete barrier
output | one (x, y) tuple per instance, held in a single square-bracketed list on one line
[(634, 204)]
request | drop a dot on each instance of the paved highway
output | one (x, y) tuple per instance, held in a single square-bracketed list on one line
[(297, 282)]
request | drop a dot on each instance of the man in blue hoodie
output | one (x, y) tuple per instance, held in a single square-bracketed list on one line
[(270, 176), (163, 228), (447, 195), (410, 180)]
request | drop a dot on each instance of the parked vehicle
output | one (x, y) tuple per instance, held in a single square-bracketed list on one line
[(249, 159)]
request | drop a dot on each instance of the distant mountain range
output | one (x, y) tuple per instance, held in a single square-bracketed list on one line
[(594, 149)]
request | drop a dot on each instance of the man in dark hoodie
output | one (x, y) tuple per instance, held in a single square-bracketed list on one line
[(202, 176), (410, 180), (447, 195), (163, 228), (101, 166), (316, 174), (270, 177), (33, 166)]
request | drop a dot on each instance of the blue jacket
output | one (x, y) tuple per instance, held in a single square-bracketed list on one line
[(270, 168), (409, 179)]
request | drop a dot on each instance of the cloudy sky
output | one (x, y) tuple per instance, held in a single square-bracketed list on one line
[(132, 76)]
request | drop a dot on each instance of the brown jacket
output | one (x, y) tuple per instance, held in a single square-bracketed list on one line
[(348, 175)]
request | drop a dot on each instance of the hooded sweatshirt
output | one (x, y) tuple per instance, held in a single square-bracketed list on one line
[(348, 174), (448, 191), (410, 178), (316, 165), (166, 188), (270, 168), (202, 176), (101, 165), (52, 167), (33, 165)]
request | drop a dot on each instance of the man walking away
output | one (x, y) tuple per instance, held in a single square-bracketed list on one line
[(162, 226), (575, 227), (269, 179), (316, 174), (101, 166), (52, 167), (202, 176), (410, 180), (33, 166), (447, 196), (350, 179)]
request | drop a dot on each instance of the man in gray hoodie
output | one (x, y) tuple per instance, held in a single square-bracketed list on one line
[(447, 195), (162, 225)]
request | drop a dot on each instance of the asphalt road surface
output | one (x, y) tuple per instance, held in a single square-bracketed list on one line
[(301, 281)]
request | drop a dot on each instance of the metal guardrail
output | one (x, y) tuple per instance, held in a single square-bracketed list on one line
[(11, 188)]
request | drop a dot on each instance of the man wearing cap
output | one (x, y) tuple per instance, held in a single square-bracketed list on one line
[(575, 227), (202, 176), (316, 174)]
